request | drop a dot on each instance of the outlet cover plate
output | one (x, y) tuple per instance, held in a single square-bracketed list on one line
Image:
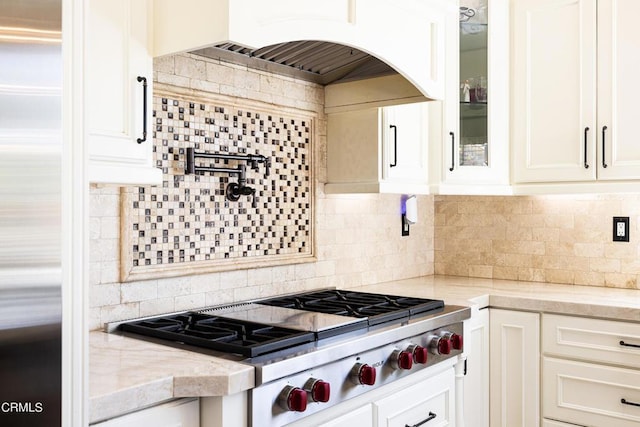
[(620, 228)]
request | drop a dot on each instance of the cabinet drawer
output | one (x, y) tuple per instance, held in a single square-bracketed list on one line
[(589, 394), (591, 339), (432, 399)]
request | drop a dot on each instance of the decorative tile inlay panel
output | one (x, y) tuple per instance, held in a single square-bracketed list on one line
[(187, 225)]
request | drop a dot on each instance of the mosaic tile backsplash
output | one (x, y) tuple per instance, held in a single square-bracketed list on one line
[(188, 222)]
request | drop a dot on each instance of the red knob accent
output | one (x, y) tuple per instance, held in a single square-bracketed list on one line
[(297, 400), (456, 341), (367, 375), (420, 355), (321, 391), (405, 360), (444, 346)]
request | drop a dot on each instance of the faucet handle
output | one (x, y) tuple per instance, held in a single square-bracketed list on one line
[(235, 190)]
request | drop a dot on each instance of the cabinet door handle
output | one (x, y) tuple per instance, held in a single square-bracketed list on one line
[(426, 420), (626, 402), (624, 344), (604, 132), (586, 131), (395, 146), (144, 109), (453, 151)]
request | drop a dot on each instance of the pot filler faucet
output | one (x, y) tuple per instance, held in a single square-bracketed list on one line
[(234, 190)]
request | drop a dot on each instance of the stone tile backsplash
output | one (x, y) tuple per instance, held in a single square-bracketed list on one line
[(187, 225), (559, 239)]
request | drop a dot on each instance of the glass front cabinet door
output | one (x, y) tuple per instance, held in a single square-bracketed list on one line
[(474, 134)]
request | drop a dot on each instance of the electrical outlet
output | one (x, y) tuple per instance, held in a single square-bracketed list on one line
[(620, 228)]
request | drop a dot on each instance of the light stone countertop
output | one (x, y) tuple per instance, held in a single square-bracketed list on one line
[(609, 303), (127, 374)]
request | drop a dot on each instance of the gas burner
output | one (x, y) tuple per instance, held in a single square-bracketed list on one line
[(376, 308), (228, 335)]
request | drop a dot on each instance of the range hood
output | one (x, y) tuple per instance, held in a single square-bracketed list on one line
[(326, 42), (315, 61)]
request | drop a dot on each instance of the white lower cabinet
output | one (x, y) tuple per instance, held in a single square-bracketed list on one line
[(590, 394), (430, 404), (590, 371), (476, 379), (178, 413), (514, 368)]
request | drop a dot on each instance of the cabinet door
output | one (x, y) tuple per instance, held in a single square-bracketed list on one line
[(181, 413), (432, 400), (618, 72), (553, 60), (476, 380), (514, 368), (117, 52), (475, 131), (405, 146)]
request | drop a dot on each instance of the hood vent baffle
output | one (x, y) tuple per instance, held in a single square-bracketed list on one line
[(316, 61)]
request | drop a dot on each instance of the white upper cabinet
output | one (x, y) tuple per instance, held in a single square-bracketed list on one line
[(574, 63), (618, 73), (378, 150), (404, 143), (118, 106), (472, 123), (406, 34)]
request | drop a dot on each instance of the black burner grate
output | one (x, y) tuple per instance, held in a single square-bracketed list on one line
[(377, 308), (228, 335)]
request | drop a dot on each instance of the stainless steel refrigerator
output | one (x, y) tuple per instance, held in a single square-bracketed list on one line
[(30, 204)]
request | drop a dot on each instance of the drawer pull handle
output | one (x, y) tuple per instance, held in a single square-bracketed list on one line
[(626, 402), (624, 344), (426, 420), (586, 163), (453, 151), (395, 146), (144, 109), (604, 134)]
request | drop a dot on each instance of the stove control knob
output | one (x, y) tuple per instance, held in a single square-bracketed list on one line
[(440, 345), (401, 359), (363, 374), (419, 353), (319, 390), (293, 399), (456, 340)]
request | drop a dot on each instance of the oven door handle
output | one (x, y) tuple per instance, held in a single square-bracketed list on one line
[(426, 420)]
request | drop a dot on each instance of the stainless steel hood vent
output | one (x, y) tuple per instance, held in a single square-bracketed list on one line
[(316, 61)]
